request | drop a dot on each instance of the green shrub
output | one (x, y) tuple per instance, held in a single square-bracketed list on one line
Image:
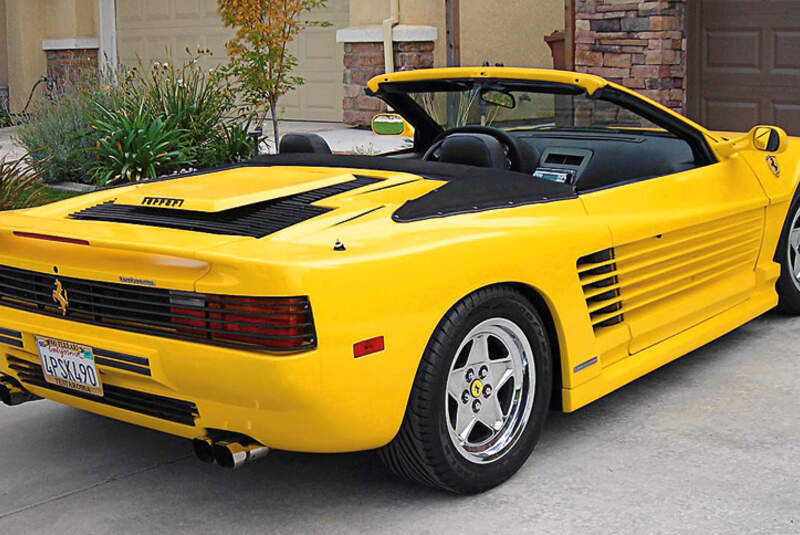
[(57, 133), (163, 117), (134, 144), (20, 185), (229, 143), (5, 117)]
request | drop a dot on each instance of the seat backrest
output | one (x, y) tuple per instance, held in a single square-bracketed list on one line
[(308, 143), (480, 150)]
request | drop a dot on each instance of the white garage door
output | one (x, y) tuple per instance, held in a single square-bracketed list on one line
[(155, 29)]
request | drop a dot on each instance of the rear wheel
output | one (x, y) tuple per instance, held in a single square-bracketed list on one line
[(788, 256), (480, 396)]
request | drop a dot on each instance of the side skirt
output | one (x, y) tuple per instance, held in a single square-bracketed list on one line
[(643, 362)]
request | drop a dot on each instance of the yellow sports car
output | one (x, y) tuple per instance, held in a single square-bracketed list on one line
[(547, 238)]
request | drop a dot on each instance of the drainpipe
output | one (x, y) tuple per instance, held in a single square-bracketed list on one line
[(388, 42)]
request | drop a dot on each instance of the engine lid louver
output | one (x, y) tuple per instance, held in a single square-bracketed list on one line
[(254, 220)]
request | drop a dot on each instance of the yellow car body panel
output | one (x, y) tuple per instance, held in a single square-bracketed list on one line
[(398, 280)]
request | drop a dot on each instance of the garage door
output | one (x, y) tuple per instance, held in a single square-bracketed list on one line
[(746, 68), (153, 29)]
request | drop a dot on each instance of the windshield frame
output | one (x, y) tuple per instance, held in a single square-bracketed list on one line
[(399, 96)]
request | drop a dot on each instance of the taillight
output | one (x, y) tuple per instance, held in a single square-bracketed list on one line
[(184, 307), (270, 322)]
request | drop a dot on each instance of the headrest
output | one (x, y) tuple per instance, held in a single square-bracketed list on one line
[(480, 150), (310, 143)]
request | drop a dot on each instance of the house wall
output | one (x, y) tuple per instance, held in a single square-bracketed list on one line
[(28, 23), (3, 46), (639, 45), (510, 32), (412, 12)]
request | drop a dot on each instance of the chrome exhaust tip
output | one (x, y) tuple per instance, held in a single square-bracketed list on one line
[(11, 393), (204, 449), (233, 455)]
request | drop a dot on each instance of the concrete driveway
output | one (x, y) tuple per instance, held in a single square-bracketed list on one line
[(708, 444)]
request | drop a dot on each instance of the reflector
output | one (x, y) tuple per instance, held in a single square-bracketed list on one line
[(367, 347)]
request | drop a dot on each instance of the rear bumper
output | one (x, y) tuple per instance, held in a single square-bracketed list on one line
[(185, 388)]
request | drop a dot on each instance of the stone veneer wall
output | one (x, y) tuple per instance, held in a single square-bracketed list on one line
[(362, 61), (71, 64), (641, 45)]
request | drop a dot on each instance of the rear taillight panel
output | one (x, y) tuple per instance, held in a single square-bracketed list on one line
[(274, 323)]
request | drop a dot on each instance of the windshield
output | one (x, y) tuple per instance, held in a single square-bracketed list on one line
[(493, 105)]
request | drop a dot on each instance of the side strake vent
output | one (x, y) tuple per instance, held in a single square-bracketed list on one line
[(635, 279), (598, 275), (254, 220)]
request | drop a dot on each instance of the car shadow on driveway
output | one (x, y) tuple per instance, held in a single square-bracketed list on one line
[(55, 458)]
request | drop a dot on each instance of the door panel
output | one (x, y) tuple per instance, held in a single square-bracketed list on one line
[(685, 249)]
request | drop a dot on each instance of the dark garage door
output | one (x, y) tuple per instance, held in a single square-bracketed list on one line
[(744, 63)]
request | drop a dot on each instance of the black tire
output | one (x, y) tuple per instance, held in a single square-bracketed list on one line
[(423, 451), (787, 286)]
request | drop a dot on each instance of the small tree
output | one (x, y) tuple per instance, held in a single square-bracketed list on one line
[(260, 60)]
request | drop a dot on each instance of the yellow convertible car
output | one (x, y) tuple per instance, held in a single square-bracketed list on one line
[(547, 238)]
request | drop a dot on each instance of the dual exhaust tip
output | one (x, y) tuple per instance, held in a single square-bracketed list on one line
[(228, 453)]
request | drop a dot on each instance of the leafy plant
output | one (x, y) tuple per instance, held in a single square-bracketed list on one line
[(20, 185), (134, 144), (5, 117), (260, 60), (57, 133), (228, 144), (187, 96)]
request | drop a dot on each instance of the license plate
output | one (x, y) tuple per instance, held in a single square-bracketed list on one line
[(69, 365)]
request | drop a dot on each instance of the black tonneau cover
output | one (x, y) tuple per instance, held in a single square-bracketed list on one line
[(467, 188)]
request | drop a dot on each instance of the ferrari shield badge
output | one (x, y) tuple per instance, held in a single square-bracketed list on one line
[(772, 163)]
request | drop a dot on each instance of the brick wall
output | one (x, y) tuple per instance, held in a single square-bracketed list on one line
[(71, 64), (641, 45), (362, 61)]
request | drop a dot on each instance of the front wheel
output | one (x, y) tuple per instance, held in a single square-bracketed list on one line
[(480, 397)]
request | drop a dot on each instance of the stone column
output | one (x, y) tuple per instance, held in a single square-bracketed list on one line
[(641, 45), (364, 58)]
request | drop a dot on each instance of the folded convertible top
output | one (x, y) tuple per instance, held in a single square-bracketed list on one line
[(467, 188)]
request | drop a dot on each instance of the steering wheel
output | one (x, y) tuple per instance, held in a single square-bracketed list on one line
[(514, 151)]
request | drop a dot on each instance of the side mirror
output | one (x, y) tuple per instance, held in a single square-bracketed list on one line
[(391, 124), (768, 138), (761, 138)]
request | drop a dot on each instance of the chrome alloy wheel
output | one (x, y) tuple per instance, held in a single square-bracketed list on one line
[(794, 249), (490, 390)]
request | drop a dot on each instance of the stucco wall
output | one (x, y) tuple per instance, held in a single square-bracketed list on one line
[(70, 18), (3, 45), (28, 22), (510, 32), (25, 27)]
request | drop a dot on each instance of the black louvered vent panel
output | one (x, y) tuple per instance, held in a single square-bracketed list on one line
[(173, 410), (254, 220), (598, 275), (275, 323)]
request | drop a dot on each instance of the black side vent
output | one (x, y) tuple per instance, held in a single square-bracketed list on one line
[(564, 159), (173, 410), (12, 338), (254, 220), (601, 289)]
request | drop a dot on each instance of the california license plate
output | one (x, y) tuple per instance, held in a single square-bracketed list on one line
[(69, 365)]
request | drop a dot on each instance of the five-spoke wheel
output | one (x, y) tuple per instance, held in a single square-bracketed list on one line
[(489, 390), (480, 397)]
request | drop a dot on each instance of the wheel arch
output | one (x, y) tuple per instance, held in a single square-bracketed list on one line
[(546, 310)]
